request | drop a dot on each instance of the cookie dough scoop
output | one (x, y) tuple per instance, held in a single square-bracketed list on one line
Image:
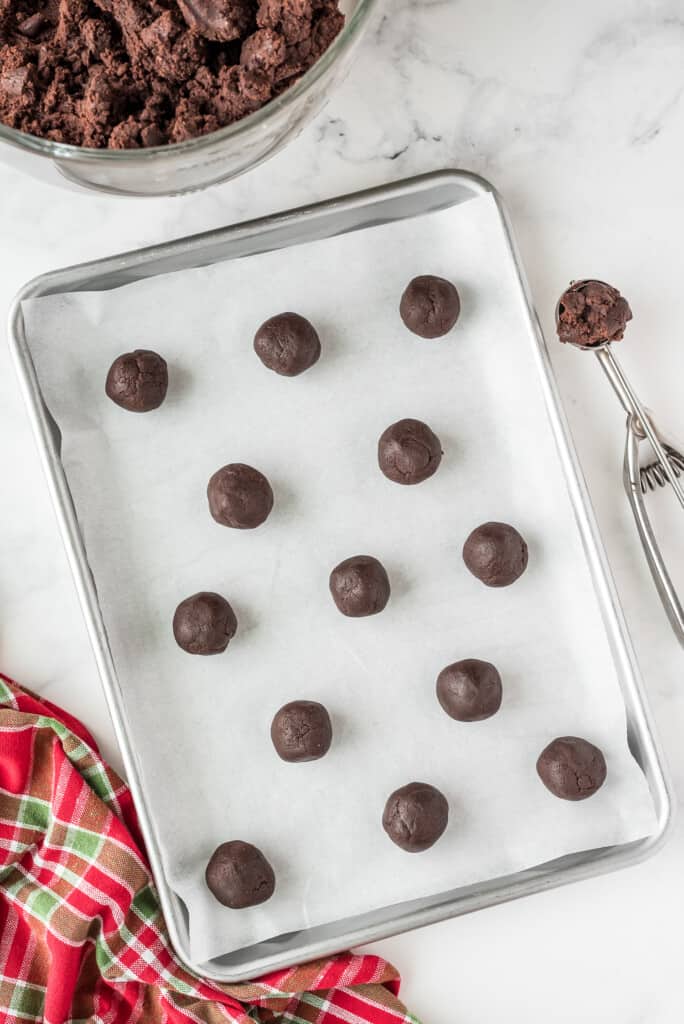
[(592, 315)]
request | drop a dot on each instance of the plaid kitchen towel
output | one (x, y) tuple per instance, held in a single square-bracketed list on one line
[(82, 938)]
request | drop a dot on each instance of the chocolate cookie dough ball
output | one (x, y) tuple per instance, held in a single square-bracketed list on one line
[(415, 816), (572, 768), (591, 313), (496, 554), (239, 875), (138, 380), (409, 452), (288, 344), (469, 690), (204, 623), (360, 586), (430, 306), (301, 731), (239, 496)]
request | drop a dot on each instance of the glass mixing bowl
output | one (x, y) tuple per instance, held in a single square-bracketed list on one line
[(197, 163)]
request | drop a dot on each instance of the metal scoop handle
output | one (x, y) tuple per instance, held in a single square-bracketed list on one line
[(640, 427), (643, 427)]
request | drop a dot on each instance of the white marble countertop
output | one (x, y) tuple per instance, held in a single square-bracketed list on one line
[(576, 113)]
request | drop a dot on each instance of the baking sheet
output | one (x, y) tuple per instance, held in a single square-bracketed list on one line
[(200, 726)]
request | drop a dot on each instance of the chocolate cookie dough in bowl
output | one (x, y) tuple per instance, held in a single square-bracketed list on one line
[(178, 95)]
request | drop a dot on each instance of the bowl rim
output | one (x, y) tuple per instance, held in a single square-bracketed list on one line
[(65, 151)]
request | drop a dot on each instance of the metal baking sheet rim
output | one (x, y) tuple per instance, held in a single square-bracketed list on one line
[(422, 194)]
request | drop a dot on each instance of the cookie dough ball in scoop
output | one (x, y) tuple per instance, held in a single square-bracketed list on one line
[(572, 768), (301, 731), (592, 313), (409, 452), (239, 496), (360, 586), (239, 875), (496, 554), (204, 623), (469, 690), (138, 381), (415, 816), (288, 344), (430, 306)]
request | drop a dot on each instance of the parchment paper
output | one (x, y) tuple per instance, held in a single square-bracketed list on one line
[(201, 725)]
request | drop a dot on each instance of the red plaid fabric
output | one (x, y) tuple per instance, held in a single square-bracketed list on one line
[(82, 938)]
